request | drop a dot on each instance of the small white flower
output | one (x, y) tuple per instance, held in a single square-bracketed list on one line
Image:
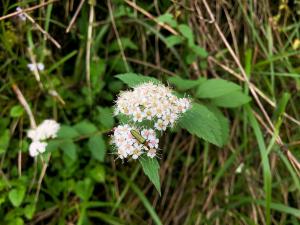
[(138, 116), (160, 111), (34, 67), (239, 168), (160, 125), (36, 148), (153, 143), (151, 153), (149, 114), (49, 128), (136, 153), (40, 66), (122, 153), (21, 15), (46, 130)]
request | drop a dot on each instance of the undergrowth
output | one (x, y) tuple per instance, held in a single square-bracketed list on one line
[(248, 175)]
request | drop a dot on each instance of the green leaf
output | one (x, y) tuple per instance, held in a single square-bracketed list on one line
[(97, 173), (2, 200), (85, 128), (126, 44), (106, 117), (231, 100), (267, 174), (67, 132), (29, 211), (53, 145), (200, 51), (4, 140), (16, 221), (84, 189), (184, 84), (281, 105), (151, 169), (69, 149), (187, 32), (173, 40), (133, 79), (190, 57), (199, 120), (16, 111), (17, 195), (115, 86), (97, 71), (168, 19), (213, 88), (144, 200), (223, 122), (97, 147), (123, 119)]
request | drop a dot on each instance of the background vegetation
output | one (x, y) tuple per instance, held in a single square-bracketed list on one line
[(252, 179)]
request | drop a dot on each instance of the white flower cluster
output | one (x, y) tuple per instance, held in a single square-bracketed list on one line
[(150, 102), (46, 130), (129, 146), (38, 66), (153, 102)]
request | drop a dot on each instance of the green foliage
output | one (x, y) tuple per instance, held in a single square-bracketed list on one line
[(199, 120), (105, 117), (231, 100), (186, 31), (97, 147), (222, 93), (29, 211), (85, 128), (133, 79), (174, 40), (185, 84), (66, 132), (168, 19), (16, 111), (151, 169), (69, 150), (4, 140), (214, 88), (126, 44), (214, 145), (17, 195), (84, 189)]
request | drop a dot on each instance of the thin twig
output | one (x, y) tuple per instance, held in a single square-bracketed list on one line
[(43, 172), (259, 92), (290, 156), (144, 12), (47, 35), (146, 64), (27, 10), (88, 46), (237, 61), (20, 148), (117, 35), (35, 71), (25, 105), (75, 16)]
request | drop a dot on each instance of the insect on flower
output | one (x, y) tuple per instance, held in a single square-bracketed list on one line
[(138, 137), (130, 142)]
